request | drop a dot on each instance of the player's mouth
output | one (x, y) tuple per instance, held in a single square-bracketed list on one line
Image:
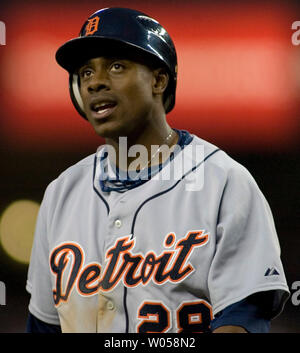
[(102, 109)]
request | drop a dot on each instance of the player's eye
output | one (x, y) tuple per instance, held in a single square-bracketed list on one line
[(117, 67), (85, 73)]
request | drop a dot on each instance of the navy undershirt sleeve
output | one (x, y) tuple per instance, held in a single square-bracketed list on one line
[(247, 313), (34, 325)]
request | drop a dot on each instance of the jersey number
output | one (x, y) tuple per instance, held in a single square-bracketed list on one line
[(190, 317)]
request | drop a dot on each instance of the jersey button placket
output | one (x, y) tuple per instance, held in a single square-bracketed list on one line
[(118, 223), (110, 305)]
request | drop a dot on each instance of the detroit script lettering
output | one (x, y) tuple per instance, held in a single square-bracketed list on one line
[(132, 269)]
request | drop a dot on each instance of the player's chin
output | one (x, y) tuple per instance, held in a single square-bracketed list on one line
[(109, 128)]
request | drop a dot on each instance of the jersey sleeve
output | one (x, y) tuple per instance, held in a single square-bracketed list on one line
[(247, 255), (38, 283)]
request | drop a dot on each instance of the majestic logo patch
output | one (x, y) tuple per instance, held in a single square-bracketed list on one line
[(92, 26), (272, 272), (66, 263)]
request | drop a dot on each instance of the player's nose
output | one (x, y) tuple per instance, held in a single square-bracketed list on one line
[(99, 81)]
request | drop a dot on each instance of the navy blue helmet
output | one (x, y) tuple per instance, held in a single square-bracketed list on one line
[(119, 31)]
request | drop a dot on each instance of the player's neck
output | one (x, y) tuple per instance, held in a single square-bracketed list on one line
[(150, 145)]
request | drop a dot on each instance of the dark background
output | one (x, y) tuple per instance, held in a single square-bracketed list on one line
[(40, 137)]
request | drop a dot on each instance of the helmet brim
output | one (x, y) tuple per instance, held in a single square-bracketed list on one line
[(76, 52)]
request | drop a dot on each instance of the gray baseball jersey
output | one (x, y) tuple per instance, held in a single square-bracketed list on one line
[(165, 256)]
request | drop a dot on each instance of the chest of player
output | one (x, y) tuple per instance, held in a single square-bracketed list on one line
[(154, 234), (155, 244)]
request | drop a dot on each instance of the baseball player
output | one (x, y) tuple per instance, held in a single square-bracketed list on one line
[(177, 237)]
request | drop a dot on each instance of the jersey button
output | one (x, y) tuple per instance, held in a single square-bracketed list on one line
[(118, 223), (110, 305)]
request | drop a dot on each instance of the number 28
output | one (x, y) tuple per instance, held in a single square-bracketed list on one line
[(190, 317)]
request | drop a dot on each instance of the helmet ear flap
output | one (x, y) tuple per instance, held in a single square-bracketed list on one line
[(75, 94)]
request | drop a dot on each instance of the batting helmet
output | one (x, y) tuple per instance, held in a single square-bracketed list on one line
[(119, 31)]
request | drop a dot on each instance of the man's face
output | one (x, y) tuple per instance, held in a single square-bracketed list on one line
[(117, 95)]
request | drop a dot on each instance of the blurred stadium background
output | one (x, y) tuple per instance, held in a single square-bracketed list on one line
[(238, 87)]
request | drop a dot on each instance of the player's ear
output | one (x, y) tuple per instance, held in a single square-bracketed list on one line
[(160, 80)]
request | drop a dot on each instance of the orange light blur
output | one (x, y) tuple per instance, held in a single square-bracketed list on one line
[(238, 81)]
